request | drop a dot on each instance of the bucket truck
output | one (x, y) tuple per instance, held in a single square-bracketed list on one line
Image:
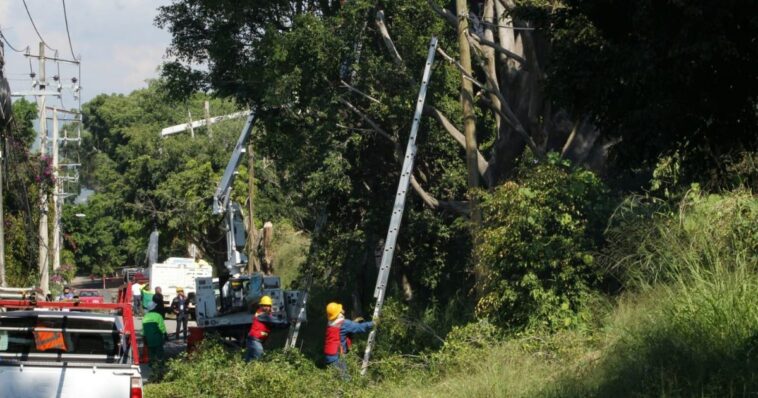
[(223, 305)]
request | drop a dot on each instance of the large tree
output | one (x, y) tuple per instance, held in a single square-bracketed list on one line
[(336, 83)]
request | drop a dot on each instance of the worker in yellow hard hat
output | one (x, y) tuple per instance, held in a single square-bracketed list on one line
[(338, 331), (263, 322)]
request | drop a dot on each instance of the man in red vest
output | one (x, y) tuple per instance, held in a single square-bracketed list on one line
[(338, 332), (263, 322)]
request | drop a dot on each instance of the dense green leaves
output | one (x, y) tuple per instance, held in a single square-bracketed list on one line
[(538, 241)]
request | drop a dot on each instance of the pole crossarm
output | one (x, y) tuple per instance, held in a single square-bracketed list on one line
[(204, 122), (399, 207)]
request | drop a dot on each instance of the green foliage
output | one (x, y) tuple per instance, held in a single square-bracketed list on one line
[(290, 250), (650, 241), (143, 181), (281, 374), (537, 245), (25, 176)]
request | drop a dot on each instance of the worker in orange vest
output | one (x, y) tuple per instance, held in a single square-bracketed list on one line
[(337, 341), (263, 322)]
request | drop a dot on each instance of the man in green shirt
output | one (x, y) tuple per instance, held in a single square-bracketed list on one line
[(147, 295), (154, 334)]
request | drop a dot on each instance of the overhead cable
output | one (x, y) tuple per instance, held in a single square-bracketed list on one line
[(35, 27), (65, 18), (5, 39)]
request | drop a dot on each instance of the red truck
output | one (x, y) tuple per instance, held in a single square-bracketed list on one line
[(69, 349)]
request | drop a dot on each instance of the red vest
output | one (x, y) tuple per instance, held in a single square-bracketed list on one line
[(332, 344), (259, 330)]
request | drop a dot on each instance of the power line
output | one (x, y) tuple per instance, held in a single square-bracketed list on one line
[(9, 43), (65, 17), (35, 27)]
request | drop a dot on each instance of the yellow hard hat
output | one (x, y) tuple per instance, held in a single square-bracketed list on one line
[(180, 289), (333, 310), (265, 300)]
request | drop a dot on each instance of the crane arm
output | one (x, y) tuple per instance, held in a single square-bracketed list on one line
[(224, 191)]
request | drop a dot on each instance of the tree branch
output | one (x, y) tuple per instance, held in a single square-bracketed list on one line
[(355, 90), (504, 110), (497, 47), (387, 39), (457, 136), (445, 14), (428, 199)]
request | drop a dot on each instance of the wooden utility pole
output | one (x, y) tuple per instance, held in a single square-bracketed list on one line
[(253, 262), (43, 260), (207, 109), (467, 102)]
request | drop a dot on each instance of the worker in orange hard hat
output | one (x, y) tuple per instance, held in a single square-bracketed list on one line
[(338, 331), (263, 322)]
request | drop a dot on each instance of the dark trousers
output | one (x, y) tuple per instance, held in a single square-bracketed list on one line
[(137, 305), (181, 323), (157, 361)]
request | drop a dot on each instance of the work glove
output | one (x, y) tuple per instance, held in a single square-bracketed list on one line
[(359, 319), (375, 321)]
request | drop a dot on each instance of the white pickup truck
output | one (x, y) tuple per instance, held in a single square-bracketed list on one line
[(67, 353)]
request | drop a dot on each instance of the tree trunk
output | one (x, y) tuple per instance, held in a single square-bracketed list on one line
[(467, 103)]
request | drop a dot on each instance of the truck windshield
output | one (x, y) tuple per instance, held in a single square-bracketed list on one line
[(56, 337)]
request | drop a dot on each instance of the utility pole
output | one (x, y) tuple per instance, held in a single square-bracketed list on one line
[(2, 225), (254, 264), (43, 234), (207, 109), (56, 197)]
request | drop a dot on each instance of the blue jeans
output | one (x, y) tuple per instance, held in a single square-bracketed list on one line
[(341, 367), (254, 349)]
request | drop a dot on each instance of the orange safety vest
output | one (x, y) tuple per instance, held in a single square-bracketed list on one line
[(47, 340)]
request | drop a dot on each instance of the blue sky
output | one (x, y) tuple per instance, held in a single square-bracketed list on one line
[(119, 46)]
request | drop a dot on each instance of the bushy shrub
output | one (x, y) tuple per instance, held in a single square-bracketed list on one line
[(537, 245), (214, 371)]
